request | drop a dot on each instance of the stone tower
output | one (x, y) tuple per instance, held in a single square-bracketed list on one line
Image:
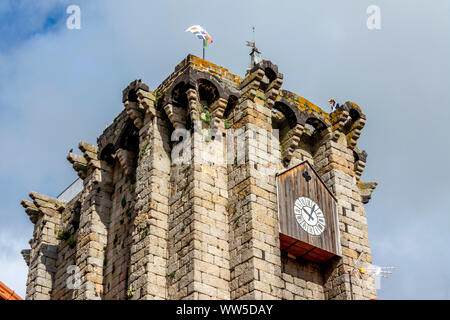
[(178, 197)]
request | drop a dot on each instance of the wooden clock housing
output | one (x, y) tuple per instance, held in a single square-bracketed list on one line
[(303, 181)]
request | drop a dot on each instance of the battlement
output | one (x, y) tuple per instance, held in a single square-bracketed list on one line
[(179, 197), (192, 69), (202, 65)]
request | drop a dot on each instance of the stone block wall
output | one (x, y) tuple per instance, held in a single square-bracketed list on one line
[(160, 218), (45, 213)]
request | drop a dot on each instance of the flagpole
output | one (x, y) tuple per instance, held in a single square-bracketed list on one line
[(201, 33), (204, 46)]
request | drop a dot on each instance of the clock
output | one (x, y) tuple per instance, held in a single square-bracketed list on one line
[(309, 216), (309, 224)]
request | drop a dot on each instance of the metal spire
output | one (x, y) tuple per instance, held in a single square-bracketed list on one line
[(255, 55)]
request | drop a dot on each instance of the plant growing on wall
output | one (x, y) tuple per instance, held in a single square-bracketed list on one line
[(130, 293), (205, 115), (71, 242), (158, 96), (145, 233), (143, 149), (63, 235)]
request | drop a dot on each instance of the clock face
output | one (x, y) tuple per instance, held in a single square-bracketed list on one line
[(309, 216)]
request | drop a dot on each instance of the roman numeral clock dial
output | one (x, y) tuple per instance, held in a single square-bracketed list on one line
[(309, 216)]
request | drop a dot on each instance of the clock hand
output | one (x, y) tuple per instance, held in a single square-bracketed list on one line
[(312, 211), (309, 214)]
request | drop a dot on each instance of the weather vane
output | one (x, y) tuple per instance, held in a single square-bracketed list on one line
[(255, 55), (252, 44)]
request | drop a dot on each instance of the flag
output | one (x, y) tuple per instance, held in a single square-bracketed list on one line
[(334, 106), (201, 34)]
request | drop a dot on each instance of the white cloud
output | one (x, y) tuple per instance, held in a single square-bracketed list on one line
[(13, 269)]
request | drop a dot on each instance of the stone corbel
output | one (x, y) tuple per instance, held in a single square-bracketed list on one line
[(360, 162), (250, 85), (193, 104), (135, 113), (273, 91), (101, 172), (355, 132), (79, 163), (31, 210), (135, 109), (366, 189), (90, 153), (42, 206), (338, 119), (217, 110), (294, 141), (125, 158), (359, 168), (43, 202), (175, 115), (146, 101), (26, 255)]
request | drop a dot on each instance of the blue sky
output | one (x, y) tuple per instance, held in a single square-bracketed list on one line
[(60, 86)]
